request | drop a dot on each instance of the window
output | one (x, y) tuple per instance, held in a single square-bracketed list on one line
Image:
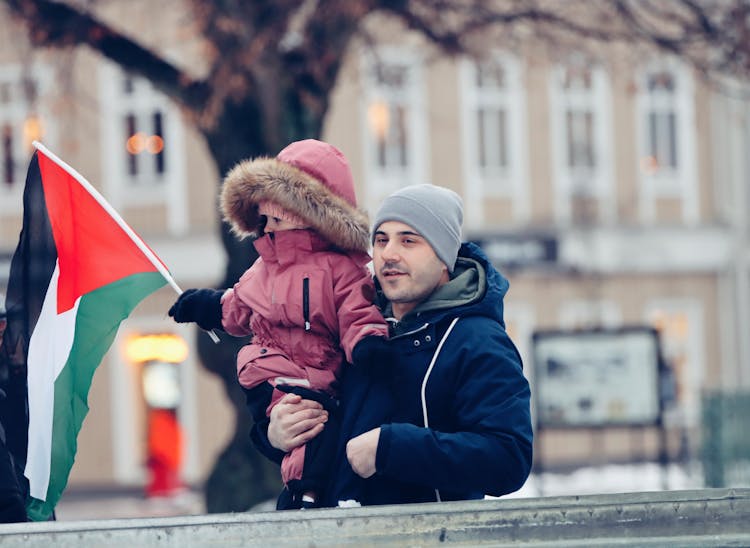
[(666, 138), (494, 134), (142, 145), (143, 132), (13, 108), (581, 138), (20, 124), (395, 120), (491, 118), (579, 125), (660, 120)]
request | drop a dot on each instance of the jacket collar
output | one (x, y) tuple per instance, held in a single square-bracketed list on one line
[(288, 246), (467, 287)]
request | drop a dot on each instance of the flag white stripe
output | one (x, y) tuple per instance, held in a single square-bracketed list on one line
[(49, 349)]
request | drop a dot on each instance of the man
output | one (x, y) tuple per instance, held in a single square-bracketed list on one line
[(460, 425)]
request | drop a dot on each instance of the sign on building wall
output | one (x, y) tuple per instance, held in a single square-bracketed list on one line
[(600, 377), (519, 250)]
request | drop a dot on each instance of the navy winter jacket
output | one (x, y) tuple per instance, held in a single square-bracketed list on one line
[(471, 433)]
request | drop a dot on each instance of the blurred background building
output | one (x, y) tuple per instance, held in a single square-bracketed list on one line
[(611, 190)]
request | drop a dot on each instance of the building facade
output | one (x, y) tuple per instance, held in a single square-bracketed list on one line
[(611, 192)]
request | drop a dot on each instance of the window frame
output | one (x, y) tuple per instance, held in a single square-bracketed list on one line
[(680, 182), (513, 181), (11, 195), (381, 182), (170, 188), (597, 101)]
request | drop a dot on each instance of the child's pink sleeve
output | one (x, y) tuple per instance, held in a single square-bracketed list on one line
[(235, 314), (358, 316)]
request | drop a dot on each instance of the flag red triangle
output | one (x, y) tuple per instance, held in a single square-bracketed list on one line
[(92, 248)]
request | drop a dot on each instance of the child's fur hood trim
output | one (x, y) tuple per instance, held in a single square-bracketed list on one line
[(268, 179)]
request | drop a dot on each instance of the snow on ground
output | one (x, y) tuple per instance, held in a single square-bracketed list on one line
[(621, 478)]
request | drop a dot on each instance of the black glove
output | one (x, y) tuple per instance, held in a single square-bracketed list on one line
[(202, 306), (373, 353)]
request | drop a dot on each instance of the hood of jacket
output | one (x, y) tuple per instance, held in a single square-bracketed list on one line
[(476, 289), (315, 186)]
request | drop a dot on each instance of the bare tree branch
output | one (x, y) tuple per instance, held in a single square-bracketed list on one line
[(711, 35), (58, 24)]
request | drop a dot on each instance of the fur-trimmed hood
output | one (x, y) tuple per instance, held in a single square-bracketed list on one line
[(308, 178)]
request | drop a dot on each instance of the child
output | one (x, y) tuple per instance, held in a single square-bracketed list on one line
[(307, 300)]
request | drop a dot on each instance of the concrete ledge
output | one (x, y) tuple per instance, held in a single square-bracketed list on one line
[(711, 517)]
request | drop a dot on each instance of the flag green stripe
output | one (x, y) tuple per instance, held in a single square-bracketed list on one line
[(99, 315)]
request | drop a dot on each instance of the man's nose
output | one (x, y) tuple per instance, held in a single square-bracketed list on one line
[(389, 252)]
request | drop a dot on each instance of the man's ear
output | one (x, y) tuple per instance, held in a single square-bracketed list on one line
[(444, 273)]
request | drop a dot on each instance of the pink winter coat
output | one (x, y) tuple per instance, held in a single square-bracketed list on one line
[(324, 266), (268, 300)]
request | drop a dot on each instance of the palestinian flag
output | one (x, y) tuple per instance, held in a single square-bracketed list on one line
[(78, 271)]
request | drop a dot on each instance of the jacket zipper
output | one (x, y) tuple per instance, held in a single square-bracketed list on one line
[(423, 392), (306, 302)]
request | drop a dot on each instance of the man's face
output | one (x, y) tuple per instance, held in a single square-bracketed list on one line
[(406, 266)]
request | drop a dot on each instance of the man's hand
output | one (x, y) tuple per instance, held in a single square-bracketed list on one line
[(294, 422), (361, 452)]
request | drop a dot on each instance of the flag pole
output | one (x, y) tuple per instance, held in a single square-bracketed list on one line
[(119, 220)]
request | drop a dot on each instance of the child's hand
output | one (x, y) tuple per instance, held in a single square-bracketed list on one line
[(202, 306), (295, 421)]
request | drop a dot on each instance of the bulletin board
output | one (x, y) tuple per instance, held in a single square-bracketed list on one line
[(597, 377)]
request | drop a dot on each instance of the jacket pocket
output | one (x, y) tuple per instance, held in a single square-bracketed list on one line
[(256, 364)]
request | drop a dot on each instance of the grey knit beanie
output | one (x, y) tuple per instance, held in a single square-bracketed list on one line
[(436, 213)]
